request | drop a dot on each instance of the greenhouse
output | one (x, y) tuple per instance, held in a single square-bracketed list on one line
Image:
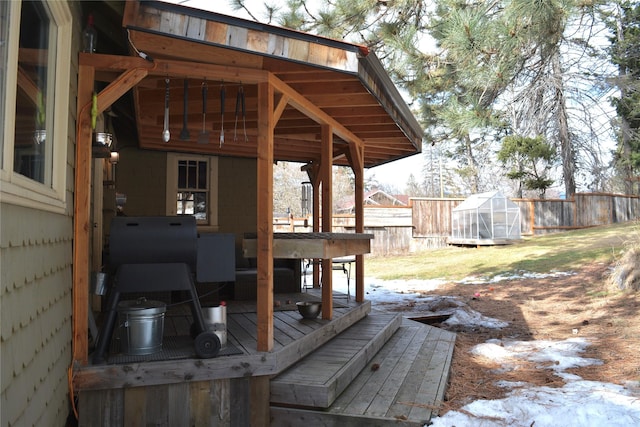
[(485, 219)]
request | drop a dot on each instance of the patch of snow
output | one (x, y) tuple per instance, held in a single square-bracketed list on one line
[(464, 316), (560, 354), (518, 275), (579, 403)]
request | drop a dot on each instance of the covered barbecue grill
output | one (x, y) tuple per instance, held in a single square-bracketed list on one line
[(155, 254)]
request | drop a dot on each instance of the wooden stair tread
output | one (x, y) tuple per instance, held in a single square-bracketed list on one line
[(319, 378), (404, 382)]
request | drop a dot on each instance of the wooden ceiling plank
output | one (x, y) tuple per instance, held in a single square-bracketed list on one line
[(312, 111), (326, 81), (314, 87), (211, 72), (355, 100)]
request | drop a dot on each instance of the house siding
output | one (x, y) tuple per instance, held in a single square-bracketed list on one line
[(35, 315), (141, 176), (36, 253), (237, 199), (237, 195)]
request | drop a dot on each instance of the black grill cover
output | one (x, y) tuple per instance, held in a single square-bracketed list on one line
[(153, 240)]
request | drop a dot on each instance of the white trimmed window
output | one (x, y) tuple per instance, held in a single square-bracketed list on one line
[(35, 53), (192, 187)]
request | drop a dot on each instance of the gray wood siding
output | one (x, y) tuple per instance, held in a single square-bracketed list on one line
[(36, 295), (35, 315), (142, 177)]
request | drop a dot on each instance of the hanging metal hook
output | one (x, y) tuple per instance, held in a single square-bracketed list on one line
[(166, 135), (222, 99)]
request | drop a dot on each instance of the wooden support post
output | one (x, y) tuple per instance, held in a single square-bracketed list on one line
[(265, 217), (82, 226), (532, 216), (326, 166), (313, 172), (356, 157), (82, 216)]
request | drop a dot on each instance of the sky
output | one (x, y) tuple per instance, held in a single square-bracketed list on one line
[(579, 403), (394, 174)]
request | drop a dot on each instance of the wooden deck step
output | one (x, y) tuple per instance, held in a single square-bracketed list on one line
[(404, 383), (319, 378)]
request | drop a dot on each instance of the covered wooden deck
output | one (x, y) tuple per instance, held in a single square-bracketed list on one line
[(363, 366), (312, 100)]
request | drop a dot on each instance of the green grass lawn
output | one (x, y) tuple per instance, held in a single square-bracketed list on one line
[(552, 252)]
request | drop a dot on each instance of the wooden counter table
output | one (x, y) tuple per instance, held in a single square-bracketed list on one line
[(311, 245), (323, 246)]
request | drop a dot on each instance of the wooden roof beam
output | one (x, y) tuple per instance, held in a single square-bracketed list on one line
[(174, 68), (305, 106)]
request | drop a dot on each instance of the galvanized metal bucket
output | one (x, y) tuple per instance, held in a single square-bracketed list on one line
[(215, 319), (99, 283), (141, 326)]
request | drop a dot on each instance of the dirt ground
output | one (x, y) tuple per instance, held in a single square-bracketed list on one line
[(546, 309)]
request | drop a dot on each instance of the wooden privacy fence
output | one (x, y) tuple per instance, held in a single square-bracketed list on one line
[(426, 223), (432, 216)]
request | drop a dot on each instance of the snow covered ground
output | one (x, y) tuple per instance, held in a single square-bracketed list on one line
[(579, 403)]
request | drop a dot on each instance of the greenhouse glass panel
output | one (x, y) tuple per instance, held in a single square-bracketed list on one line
[(485, 217)]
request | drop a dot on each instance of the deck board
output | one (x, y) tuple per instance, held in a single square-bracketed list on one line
[(319, 378), (241, 333), (379, 406), (243, 330), (408, 401), (402, 379), (404, 382), (360, 394), (434, 385)]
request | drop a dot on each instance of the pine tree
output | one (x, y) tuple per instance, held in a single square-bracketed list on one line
[(624, 21), (495, 68), (529, 161)]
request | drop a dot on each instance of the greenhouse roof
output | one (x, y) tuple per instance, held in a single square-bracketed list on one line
[(476, 201)]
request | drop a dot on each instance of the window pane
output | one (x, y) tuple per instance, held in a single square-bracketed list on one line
[(192, 175), (185, 203), (182, 174), (202, 175), (200, 205), (34, 100), (193, 195), (4, 41)]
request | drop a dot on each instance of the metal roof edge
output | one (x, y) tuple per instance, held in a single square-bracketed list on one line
[(393, 159), (237, 49), (257, 26), (375, 78)]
